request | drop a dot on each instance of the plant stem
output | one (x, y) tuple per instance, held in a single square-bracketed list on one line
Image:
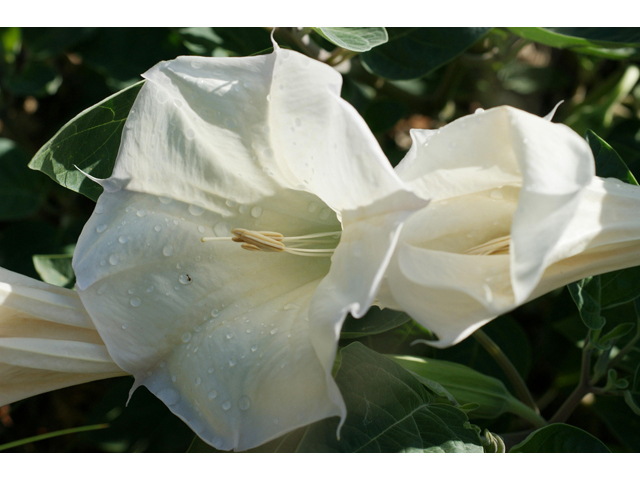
[(514, 377), (583, 387), (45, 436)]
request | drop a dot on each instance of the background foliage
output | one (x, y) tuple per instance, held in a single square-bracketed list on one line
[(398, 79)]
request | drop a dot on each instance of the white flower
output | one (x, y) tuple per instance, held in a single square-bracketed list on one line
[(223, 153), (516, 212), (47, 340)]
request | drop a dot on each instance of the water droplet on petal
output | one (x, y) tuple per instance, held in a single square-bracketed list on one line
[(190, 134), (211, 370), (243, 209), (256, 211), (230, 122), (99, 209), (222, 229), (268, 152), (196, 210), (198, 381), (186, 336), (298, 122), (102, 289), (212, 394), (290, 306), (496, 195), (114, 259), (169, 396), (226, 405), (324, 213), (177, 103), (230, 202), (229, 336), (312, 207), (184, 279), (201, 228), (254, 348), (124, 326), (244, 403), (157, 228), (167, 250), (135, 302), (141, 213), (122, 239), (150, 289), (479, 110), (232, 362), (164, 200), (101, 228), (274, 331)]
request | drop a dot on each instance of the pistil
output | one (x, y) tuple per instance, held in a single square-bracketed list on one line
[(265, 241)]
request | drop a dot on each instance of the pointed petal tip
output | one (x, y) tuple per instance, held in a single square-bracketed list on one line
[(549, 116)]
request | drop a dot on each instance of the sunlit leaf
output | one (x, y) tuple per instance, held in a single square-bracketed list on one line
[(89, 142)]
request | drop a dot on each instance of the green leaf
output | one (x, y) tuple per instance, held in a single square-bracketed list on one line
[(581, 37), (620, 287), (89, 141), (375, 321), (560, 438), (606, 341), (586, 295), (468, 386), (356, 39), (608, 162), (388, 411), (55, 269), (21, 191), (414, 52)]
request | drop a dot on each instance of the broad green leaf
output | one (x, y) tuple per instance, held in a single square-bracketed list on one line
[(581, 37), (468, 386), (586, 295), (356, 39), (560, 438), (414, 52), (90, 141), (375, 321), (21, 191), (610, 338), (55, 269), (389, 410), (608, 162)]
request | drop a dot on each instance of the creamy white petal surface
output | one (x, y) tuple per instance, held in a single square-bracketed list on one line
[(238, 343), (47, 340), (517, 212)]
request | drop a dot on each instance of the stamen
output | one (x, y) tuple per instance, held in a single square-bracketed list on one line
[(497, 246), (265, 241)]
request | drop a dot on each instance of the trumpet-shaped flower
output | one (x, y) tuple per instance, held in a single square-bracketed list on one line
[(516, 212), (47, 340), (249, 210)]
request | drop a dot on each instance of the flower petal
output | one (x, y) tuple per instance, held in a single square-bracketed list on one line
[(47, 340)]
